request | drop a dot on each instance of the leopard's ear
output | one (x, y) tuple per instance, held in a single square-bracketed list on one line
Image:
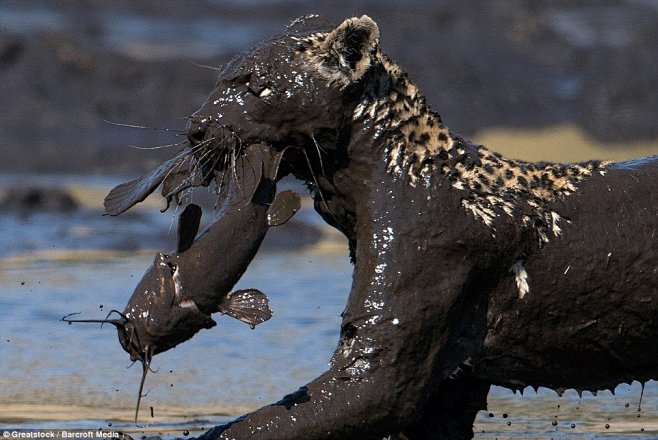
[(346, 53)]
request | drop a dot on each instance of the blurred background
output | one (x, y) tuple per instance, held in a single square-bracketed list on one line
[(585, 70), (534, 79)]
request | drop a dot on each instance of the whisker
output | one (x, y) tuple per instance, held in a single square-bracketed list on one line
[(200, 168), (215, 158), (173, 219), (319, 149), (176, 168), (146, 365), (143, 127), (115, 322), (157, 147), (118, 313), (220, 185), (138, 344), (207, 154), (253, 170), (205, 165), (317, 185), (206, 66), (234, 167)]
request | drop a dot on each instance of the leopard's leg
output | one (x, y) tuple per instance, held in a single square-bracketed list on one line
[(451, 411), (386, 370)]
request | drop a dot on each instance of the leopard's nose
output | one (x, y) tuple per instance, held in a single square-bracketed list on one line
[(197, 128)]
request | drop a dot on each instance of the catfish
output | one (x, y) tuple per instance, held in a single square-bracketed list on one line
[(179, 292)]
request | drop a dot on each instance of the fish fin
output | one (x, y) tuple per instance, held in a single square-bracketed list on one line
[(181, 179), (252, 175), (284, 206), (124, 196), (249, 305), (188, 226)]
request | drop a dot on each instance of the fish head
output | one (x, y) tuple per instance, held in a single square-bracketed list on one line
[(157, 317)]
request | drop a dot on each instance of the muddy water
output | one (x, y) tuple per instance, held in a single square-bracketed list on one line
[(76, 376), (78, 370), (56, 375)]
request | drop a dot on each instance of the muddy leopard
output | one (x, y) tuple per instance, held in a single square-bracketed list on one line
[(470, 268)]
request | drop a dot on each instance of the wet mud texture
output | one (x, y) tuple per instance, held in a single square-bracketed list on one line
[(511, 64), (435, 315), (420, 347)]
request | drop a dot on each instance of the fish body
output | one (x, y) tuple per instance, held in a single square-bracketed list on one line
[(179, 292)]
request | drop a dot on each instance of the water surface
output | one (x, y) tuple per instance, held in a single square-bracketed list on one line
[(76, 376)]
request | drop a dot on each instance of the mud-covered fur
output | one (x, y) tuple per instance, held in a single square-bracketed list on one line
[(470, 268), (419, 145)]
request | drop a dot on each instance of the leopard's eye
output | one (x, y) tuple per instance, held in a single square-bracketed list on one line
[(261, 87), (265, 92)]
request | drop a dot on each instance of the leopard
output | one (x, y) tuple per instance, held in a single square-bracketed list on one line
[(470, 269)]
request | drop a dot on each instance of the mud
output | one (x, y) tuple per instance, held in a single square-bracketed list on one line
[(437, 313)]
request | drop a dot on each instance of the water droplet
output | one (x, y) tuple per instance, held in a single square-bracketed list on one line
[(639, 415), (509, 423), (491, 414), (607, 426), (573, 425), (186, 433), (100, 306), (505, 415), (554, 423), (627, 404), (109, 424)]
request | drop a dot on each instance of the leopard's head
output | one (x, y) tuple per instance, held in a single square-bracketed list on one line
[(296, 91)]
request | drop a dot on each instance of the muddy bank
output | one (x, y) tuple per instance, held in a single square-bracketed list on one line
[(68, 67)]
